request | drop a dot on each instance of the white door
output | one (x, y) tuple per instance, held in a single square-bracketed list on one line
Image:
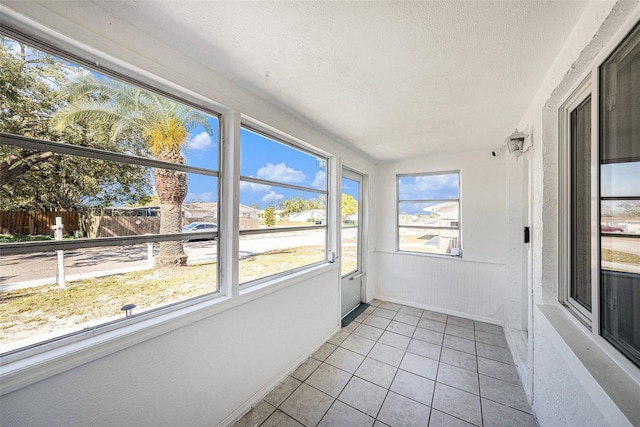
[(351, 240)]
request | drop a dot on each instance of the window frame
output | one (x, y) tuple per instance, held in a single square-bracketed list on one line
[(81, 57), (290, 143), (458, 200), (590, 85), (29, 364), (579, 95)]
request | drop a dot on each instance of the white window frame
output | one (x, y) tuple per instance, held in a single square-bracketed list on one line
[(584, 90), (458, 200), (252, 127), (589, 85), (27, 365), (89, 152)]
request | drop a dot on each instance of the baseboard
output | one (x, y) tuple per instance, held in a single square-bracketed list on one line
[(260, 394), (440, 310)]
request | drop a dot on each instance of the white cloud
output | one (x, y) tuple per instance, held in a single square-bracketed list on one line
[(320, 180), (444, 186), (253, 187), (280, 173), (207, 196), (201, 141), (272, 197)]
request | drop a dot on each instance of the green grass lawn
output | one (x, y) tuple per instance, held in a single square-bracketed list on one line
[(29, 312)]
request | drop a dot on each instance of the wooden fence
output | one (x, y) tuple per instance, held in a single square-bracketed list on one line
[(30, 222), (24, 222)]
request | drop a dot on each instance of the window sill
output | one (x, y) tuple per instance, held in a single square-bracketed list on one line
[(616, 376), (18, 372)]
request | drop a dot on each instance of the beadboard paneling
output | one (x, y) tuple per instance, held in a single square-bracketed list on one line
[(455, 286)]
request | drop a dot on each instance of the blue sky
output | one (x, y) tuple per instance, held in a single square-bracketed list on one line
[(426, 187), (261, 158)]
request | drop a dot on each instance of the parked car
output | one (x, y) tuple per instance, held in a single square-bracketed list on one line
[(199, 226), (610, 229)]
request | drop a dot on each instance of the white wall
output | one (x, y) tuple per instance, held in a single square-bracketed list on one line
[(563, 387), (472, 286), (196, 375)]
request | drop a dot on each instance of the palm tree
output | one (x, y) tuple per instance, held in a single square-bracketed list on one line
[(163, 125)]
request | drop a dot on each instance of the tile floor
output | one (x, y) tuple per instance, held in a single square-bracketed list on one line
[(402, 366)]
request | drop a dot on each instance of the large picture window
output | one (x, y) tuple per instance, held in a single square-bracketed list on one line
[(603, 229), (108, 198), (429, 213), (285, 189), (620, 197)]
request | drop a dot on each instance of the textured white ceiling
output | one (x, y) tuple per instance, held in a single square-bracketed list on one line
[(394, 79)]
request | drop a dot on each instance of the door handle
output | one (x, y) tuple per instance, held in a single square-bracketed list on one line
[(357, 276)]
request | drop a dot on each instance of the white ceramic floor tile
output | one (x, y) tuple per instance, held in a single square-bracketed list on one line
[(505, 393), (419, 365), (345, 359), (329, 379), (368, 331), (440, 419), (387, 354), (341, 415), (307, 405), (376, 372), (256, 415), (394, 340), (358, 344), (399, 411), (426, 349), (497, 415), (282, 391), (457, 377), (401, 328), (377, 321), (363, 395), (305, 369), (280, 419), (457, 403), (324, 351), (413, 386), (429, 336)]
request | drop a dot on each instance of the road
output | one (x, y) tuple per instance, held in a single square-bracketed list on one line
[(38, 269)]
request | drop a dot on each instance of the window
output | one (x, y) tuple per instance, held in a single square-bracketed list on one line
[(101, 184), (286, 188), (429, 213), (620, 197), (604, 207)]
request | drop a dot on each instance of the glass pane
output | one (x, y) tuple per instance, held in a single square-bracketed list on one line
[(434, 241), (102, 199), (266, 206), (350, 225), (265, 255), (581, 204), (430, 214), (620, 179), (81, 107), (620, 254), (620, 209), (620, 216), (99, 282), (429, 187), (267, 159)]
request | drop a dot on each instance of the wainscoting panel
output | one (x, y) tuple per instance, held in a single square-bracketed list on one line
[(450, 285)]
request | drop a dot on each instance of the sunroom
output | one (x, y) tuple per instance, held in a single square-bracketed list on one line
[(320, 213)]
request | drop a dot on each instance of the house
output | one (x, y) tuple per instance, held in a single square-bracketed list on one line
[(210, 210), (532, 105), (200, 210), (308, 215)]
